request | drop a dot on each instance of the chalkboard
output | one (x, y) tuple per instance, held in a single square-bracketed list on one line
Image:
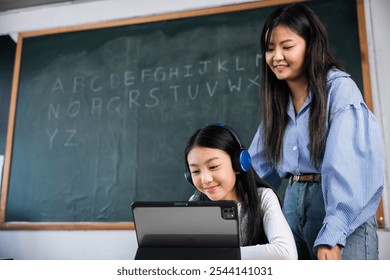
[(7, 57), (101, 114)]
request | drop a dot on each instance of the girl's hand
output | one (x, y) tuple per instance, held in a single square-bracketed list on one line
[(326, 253)]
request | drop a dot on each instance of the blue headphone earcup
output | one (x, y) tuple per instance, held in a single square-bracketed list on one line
[(243, 161)]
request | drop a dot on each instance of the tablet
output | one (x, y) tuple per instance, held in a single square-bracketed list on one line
[(186, 230)]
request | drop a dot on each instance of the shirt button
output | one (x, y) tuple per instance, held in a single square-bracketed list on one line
[(295, 148)]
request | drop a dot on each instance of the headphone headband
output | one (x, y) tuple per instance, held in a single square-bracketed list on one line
[(232, 132)]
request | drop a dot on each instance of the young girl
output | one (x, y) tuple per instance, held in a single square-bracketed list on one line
[(219, 167), (317, 131)]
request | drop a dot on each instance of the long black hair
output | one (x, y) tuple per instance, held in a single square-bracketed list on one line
[(221, 137), (275, 93)]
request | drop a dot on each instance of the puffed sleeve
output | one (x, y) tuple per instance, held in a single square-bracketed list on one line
[(352, 171)]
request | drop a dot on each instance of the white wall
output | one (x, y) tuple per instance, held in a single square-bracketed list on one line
[(377, 22), (122, 244), (69, 14), (68, 245)]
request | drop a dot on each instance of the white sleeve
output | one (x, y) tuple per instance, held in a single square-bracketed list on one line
[(281, 240)]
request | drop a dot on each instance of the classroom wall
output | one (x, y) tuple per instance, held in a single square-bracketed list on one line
[(378, 47), (121, 244), (377, 20)]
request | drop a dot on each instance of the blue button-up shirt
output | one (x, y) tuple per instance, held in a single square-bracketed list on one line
[(351, 170)]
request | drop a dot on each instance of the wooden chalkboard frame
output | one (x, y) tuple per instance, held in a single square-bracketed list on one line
[(148, 19)]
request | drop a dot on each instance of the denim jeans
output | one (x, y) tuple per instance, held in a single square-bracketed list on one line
[(304, 210), (362, 244)]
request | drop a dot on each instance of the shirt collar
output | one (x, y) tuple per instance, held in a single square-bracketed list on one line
[(291, 110)]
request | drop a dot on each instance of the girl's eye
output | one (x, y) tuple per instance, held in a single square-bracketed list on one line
[(194, 172), (213, 167), (288, 47)]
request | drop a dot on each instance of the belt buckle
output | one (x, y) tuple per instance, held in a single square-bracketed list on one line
[(294, 178)]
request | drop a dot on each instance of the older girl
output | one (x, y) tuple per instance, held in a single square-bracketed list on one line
[(317, 131)]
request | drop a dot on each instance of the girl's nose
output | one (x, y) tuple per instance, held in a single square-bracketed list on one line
[(206, 177), (278, 54)]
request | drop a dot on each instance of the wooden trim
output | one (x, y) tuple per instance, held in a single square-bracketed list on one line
[(10, 131), (162, 17), (364, 54), (367, 82)]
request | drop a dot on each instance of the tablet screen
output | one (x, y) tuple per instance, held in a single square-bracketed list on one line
[(186, 224)]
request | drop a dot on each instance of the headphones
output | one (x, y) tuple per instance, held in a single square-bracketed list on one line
[(241, 160)]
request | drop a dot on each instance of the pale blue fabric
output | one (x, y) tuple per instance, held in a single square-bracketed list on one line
[(351, 171)]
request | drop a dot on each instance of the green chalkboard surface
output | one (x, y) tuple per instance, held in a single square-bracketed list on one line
[(102, 115)]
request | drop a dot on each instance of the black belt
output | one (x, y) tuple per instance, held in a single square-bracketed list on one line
[(305, 178)]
